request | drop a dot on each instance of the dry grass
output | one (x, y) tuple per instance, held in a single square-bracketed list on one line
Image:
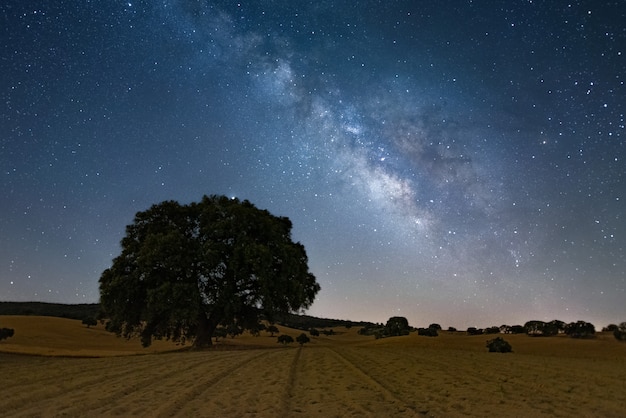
[(342, 375)]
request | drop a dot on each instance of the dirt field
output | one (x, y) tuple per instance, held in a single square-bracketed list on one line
[(345, 375)]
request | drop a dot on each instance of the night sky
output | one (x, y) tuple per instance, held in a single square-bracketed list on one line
[(458, 162)]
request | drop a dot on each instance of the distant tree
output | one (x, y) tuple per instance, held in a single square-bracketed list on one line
[(499, 345), (620, 331), (435, 326), (255, 329), (559, 325), (285, 339), (6, 333), (492, 330), (314, 332), (302, 339), (272, 329), (397, 325), (89, 321), (451, 329), (517, 329), (541, 329), (428, 332), (580, 329), (186, 269), (474, 331), (610, 328), (328, 332)]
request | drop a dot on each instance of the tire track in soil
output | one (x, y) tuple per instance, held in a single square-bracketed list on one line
[(76, 378), (291, 384), (174, 406), (60, 368), (82, 387), (139, 383), (404, 407)]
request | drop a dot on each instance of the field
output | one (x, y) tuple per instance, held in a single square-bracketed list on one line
[(75, 371)]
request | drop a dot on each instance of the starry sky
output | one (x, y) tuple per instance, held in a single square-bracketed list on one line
[(458, 162)]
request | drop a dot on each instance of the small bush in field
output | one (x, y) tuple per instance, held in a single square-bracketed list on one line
[(302, 339), (285, 339), (499, 345), (6, 333), (620, 332)]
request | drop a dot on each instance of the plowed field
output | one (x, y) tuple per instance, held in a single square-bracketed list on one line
[(337, 376)]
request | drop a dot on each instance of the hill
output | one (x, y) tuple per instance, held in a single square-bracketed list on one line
[(82, 311)]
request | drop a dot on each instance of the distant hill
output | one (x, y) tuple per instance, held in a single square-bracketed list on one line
[(59, 310), (85, 310)]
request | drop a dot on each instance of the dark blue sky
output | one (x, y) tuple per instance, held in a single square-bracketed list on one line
[(456, 162)]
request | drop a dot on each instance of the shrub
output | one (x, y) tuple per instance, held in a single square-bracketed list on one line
[(302, 339), (285, 339), (499, 345), (492, 330), (396, 326), (620, 332), (474, 331), (428, 332), (451, 329), (6, 333), (272, 329), (580, 329), (314, 332), (89, 321)]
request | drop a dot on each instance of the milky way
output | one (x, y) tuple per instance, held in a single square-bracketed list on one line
[(454, 162)]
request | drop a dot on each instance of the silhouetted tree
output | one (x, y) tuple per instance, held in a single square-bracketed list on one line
[(499, 345), (435, 326), (428, 332), (620, 331), (285, 339), (474, 331), (314, 332), (302, 339), (610, 328), (580, 329), (6, 333), (517, 329), (185, 269), (451, 329), (272, 329), (397, 325), (89, 321), (541, 329), (492, 330)]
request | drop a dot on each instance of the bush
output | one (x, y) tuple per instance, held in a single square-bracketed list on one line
[(285, 339), (314, 332), (620, 332), (428, 332), (499, 345), (492, 330), (474, 331), (396, 326), (580, 329), (90, 321), (6, 333), (302, 339)]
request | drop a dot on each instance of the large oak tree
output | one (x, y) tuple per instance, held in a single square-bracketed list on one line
[(185, 269)]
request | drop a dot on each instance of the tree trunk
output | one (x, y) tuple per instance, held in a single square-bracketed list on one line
[(206, 327)]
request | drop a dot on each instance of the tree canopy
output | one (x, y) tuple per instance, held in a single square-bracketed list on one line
[(185, 269)]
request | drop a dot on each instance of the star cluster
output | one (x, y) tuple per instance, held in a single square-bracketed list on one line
[(454, 162)]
